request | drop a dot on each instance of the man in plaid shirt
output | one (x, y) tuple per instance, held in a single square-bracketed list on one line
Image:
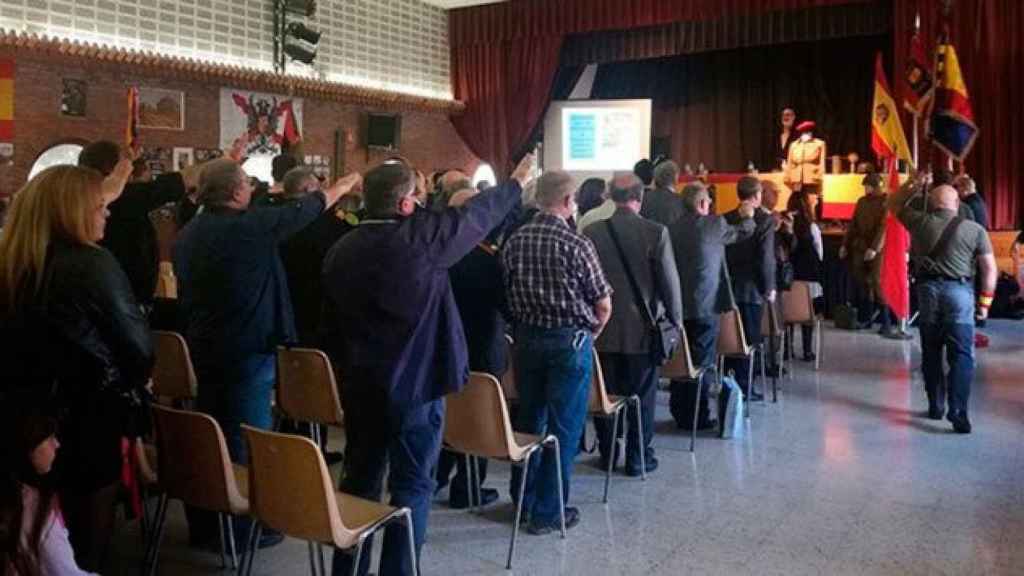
[(559, 301)]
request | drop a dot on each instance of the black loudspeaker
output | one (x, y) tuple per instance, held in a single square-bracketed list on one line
[(661, 147), (383, 131)]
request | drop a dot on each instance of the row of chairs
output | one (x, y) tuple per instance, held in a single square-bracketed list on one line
[(477, 424)]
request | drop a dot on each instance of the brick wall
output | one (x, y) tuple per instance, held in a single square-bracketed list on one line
[(428, 139)]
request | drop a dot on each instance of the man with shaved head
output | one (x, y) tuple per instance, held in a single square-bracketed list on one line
[(629, 245), (946, 249)]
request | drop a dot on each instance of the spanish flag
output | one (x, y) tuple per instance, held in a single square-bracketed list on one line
[(887, 138), (131, 131), (952, 126), (7, 101)]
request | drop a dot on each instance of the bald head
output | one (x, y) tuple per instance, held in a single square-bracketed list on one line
[(626, 187), (944, 197)]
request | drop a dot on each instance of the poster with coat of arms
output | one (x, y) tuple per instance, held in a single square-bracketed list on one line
[(267, 122)]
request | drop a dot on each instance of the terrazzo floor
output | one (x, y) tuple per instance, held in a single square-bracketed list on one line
[(842, 476)]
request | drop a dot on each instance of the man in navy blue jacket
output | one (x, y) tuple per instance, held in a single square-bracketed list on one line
[(394, 334)]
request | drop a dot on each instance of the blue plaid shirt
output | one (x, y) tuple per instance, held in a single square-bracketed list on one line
[(553, 276)]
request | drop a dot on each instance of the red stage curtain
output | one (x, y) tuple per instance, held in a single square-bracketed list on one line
[(989, 43), (504, 56)]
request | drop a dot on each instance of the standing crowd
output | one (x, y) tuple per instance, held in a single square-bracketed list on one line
[(407, 289)]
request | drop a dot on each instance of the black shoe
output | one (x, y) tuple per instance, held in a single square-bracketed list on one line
[(461, 502), (979, 323), (572, 518), (809, 357), (898, 335), (333, 457), (754, 396), (961, 425), (935, 412), (651, 465)]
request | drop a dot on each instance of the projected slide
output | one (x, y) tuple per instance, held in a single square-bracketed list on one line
[(597, 136)]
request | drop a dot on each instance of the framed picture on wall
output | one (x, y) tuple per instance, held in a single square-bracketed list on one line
[(72, 97), (183, 158), (207, 154), (161, 109)]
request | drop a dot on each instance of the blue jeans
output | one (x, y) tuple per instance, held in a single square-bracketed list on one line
[(237, 392), (410, 442), (947, 327), (553, 369)]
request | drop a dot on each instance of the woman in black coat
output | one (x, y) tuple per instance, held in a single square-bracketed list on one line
[(78, 340), (806, 255)]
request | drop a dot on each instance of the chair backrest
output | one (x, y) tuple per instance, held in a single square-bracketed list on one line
[(173, 374), (770, 325), (290, 489), (306, 388), (508, 379), (599, 401), (680, 365), (477, 421), (193, 462), (732, 339), (797, 304)]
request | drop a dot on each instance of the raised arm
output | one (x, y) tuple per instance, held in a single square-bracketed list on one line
[(451, 234)]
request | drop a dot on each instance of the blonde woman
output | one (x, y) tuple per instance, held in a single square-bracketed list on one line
[(77, 340)]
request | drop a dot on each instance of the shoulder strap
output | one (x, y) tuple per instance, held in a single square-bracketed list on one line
[(944, 239), (641, 303)]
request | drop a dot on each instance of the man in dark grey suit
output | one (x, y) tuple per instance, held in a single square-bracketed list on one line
[(699, 239), (662, 204), (624, 346), (752, 269)]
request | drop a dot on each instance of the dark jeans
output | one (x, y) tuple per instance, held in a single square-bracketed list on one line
[(702, 334), (410, 443), (750, 315), (626, 375), (234, 392), (457, 490), (947, 328), (553, 370)]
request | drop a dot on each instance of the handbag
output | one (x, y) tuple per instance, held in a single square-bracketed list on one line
[(664, 334)]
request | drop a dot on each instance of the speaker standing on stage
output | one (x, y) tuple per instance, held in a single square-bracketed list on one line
[(805, 165), (787, 136)]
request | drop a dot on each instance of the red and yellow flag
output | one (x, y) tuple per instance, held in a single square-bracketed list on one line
[(7, 101), (895, 282), (887, 137), (951, 127)]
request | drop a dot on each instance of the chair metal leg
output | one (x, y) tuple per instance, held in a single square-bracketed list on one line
[(358, 559), (223, 544), (255, 531), (696, 411), (320, 557), (519, 509), (311, 547), (561, 492), (477, 488), (640, 438), (469, 479), (750, 385), (615, 453), (149, 566), (407, 514), (231, 542), (819, 332)]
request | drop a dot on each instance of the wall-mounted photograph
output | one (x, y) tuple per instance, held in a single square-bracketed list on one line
[(161, 109), (183, 158), (72, 97)]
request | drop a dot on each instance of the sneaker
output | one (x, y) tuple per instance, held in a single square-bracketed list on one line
[(572, 518), (961, 425), (461, 502)]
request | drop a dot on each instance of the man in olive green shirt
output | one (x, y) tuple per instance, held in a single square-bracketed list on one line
[(944, 269)]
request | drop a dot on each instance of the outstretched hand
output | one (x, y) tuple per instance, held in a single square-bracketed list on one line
[(524, 169), (343, 186), (113, 185)]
